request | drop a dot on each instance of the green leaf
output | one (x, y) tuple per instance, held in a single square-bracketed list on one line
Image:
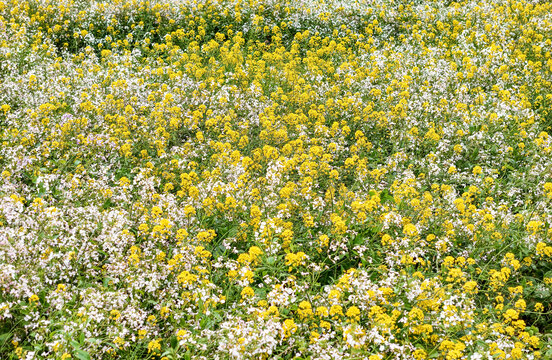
[(203, 323), (174, 342), (434, 355), (81, 354), (5, 337), (482, 344)]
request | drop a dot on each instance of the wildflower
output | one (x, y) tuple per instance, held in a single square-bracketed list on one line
[(470, 286), (336, 311), (353, 313), (410, 230), (247, 292), (115, 314), (534, 226), (322, 311), (154, 346), (305, 310), (289, 327), (294, 260)]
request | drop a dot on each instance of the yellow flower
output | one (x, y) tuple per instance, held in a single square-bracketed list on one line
[(322, 311), (304, 310), (470, 286), (154, 346), (189, 210), (119, 341), (294, 260), (510, 315), (336, 310), (247, 292), (353, 313), (115, 314), (410, 230), (533, 226), (419, 354), (289, 327)]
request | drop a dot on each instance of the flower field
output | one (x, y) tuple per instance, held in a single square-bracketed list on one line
[(265, 179)]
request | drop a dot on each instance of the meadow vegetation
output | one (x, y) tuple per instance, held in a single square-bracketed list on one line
[(253, 179)]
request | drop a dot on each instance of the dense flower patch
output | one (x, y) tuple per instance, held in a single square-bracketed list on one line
[(275, 179)]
